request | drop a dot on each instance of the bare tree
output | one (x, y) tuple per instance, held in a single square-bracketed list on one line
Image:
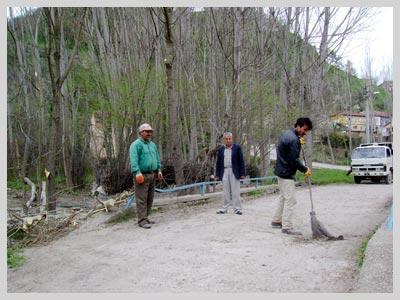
[(53, 17), (173, 147)]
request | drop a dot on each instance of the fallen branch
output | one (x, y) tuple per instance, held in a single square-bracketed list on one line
[(106, 205)]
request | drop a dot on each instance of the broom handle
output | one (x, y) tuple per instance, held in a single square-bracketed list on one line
[(308, 180)]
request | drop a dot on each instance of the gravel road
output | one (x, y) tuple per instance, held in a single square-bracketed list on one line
[(192, 249)]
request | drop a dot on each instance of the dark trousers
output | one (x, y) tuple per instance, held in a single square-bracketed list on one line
[(144, 196)]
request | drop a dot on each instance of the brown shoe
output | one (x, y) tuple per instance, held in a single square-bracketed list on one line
[(145, 225), (291, 231), (276, 224)]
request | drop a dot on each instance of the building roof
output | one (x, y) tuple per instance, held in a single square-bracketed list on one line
[(347, 113), (382, 114), (362, 114)]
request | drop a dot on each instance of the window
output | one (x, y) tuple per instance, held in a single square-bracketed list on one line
[(368, 152)]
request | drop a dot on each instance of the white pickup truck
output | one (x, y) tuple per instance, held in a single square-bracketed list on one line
[(373, 161)]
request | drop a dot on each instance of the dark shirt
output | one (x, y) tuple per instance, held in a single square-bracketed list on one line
[(287, 155)]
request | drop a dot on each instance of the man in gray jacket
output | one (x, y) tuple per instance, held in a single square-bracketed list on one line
[(287, 163)]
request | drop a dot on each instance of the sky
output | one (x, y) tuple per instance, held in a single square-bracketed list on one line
[(378, 40)]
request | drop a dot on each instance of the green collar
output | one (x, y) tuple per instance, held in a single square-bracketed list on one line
[(144, 141)]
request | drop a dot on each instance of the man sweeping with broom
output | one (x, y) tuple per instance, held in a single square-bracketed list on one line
[(287, 163)]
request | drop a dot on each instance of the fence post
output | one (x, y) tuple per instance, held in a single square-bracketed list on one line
[(202, 189)]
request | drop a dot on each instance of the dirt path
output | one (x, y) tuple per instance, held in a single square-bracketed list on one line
[(194, 250), (330, 166)]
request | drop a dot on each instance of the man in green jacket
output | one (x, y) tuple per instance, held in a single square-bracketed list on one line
[(146, 169)]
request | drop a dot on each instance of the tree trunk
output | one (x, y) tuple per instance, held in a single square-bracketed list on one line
[(65, 118), (173, 145), (285, 85), (43, 197), (236, 127)]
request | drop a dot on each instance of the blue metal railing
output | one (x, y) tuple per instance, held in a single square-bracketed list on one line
[(202, 187), (389, 221)]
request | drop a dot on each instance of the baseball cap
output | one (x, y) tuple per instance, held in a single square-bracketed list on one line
[(145, 126)]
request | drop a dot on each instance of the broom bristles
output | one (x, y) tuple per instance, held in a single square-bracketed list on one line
[(318, 230)]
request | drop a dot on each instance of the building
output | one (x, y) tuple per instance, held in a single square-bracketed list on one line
[(381, 126)]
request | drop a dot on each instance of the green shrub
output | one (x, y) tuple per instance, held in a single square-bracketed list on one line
[(15, 257)]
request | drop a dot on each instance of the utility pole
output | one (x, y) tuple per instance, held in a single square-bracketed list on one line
[(369, 112), (351, 108), (366, 95)]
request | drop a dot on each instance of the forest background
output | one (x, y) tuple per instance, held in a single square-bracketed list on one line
[(81, 80)]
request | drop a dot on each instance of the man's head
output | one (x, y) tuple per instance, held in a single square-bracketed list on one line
[(145, 131), (228, 139), (302, 126)]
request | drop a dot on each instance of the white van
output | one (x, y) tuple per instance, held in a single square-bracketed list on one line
[(373, 161)]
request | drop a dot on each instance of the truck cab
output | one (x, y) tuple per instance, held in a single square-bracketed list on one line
[(373, 161)]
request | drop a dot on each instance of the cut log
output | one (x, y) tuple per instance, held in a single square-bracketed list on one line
[(32, 221)]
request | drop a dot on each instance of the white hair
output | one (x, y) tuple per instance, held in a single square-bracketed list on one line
[(226, 134)]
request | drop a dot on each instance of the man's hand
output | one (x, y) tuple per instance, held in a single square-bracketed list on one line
[(242, 177), (160, 176), (308, 172), (139, 178), (302, 141)]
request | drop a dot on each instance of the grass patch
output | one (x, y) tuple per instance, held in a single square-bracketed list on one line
[(15, 257), (17, 234), (15, 183), (327, 176), (123, 216), (88, 178), (257, 193), (363, 247)]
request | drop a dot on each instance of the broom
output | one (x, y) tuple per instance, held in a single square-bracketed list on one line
[(318, 230)]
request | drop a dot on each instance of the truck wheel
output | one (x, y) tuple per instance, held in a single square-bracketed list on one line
[(388, 178), (357, 179)]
